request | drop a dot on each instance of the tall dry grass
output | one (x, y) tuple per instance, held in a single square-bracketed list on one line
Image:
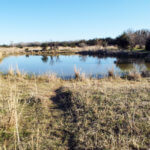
[(78, 75)]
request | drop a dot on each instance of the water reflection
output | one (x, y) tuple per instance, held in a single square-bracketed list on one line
[(131, 64), (44, 59), (147, 66), (51, 59), (83, 58), (57, 59), (64, 65), (125, 67), (27, 56)]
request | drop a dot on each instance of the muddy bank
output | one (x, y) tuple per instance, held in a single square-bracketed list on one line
[(118, 54)]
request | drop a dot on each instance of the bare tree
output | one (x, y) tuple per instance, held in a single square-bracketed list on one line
[(132, 38), (142, 36), (138, 38)]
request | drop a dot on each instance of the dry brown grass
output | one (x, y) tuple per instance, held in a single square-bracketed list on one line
[(4, 51), (11, 71), (78, 75), (134, 75), (111, 73), (48, 113), (117, 114), (19, 97)]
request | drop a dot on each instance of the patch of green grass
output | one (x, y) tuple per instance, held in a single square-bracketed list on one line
[(138, 49)]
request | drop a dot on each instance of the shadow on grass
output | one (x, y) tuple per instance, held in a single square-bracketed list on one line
[(63, 100), (76, 113)]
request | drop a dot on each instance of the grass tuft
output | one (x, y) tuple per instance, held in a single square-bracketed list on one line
[(111, 73), (134, 76), (11, 71)]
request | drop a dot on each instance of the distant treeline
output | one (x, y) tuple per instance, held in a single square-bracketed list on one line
[(128, 40), (79, 43)]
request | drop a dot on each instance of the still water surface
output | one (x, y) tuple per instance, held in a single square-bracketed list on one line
[(64, 66)]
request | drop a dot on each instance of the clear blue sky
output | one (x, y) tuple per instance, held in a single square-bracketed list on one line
[(50, 20)]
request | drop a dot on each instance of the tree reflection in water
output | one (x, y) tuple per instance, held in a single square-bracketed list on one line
[(27, 56), (83, 58), (129, 64), (57, 59), (44, 59), (147, 65), (52, 59), (125, 67)]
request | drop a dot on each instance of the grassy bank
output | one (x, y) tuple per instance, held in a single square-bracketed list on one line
[(49, 113), (98, 51), (60, 50)]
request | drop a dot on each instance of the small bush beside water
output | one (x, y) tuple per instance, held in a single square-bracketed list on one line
[(123, 41)]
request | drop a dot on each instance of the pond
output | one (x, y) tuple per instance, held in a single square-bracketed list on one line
[(64, 65)]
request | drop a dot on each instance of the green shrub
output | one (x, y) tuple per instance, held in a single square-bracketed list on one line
[(44, 46), (26, 50), (123, 41), (19, 46)]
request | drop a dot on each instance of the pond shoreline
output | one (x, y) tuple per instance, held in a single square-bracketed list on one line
[(99, 53), (118, 54), (91, 52)]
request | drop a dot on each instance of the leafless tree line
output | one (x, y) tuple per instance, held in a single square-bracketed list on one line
[(138, 38)]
